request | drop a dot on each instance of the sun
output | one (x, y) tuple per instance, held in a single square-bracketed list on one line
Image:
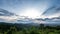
[(31, 13)]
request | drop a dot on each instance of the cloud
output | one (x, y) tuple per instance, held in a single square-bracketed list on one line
[(52, 11)]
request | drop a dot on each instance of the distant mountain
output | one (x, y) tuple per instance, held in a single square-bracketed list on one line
[(53, 21)]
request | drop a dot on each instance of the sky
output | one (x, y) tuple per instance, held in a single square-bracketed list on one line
[(30, 8), (54, 10)]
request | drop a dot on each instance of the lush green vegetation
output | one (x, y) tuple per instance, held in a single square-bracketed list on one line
[(6, 28)]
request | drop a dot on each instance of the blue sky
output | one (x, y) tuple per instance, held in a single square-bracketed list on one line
[(20, 6)]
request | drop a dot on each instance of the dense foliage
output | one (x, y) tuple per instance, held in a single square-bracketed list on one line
[(8, 28)]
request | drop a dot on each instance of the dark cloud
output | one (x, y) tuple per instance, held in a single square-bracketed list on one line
[(5, 13), (52, 10)]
